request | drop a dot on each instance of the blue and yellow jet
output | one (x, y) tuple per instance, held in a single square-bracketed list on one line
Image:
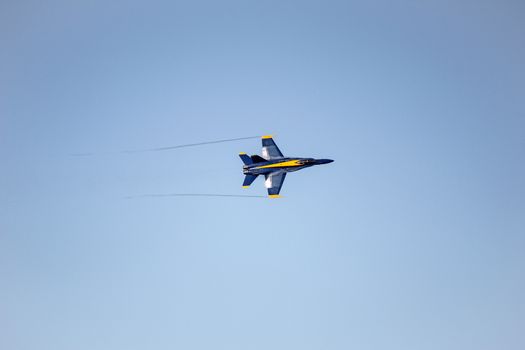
[(274, 166)]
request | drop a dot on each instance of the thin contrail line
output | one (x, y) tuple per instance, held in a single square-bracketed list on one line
[(193, 195), (158, 149), (189, 145)]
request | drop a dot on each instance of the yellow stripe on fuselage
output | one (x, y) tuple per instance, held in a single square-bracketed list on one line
[(288, 163)]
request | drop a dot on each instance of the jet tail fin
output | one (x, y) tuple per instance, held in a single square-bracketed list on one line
[(245, 159), (257, 159), (248, 180)]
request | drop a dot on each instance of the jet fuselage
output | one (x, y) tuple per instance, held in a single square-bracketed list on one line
[(282, 164), (273, 166)]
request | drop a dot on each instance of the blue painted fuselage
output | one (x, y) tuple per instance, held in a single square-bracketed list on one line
[(282, 164)]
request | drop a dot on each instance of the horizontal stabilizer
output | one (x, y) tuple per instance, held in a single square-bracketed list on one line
[(245, 159), (248, 180)]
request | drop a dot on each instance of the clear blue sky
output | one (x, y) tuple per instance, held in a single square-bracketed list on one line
[(413, 238)]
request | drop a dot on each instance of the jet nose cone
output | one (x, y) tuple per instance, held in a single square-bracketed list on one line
[(324, 161)]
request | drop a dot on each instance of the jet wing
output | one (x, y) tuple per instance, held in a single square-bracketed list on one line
[(270, 149), (274, 182)]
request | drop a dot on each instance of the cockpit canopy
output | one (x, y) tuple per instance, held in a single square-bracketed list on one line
[(307, 160)]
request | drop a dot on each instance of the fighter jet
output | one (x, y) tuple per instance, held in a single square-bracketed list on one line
[(274, 166)]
